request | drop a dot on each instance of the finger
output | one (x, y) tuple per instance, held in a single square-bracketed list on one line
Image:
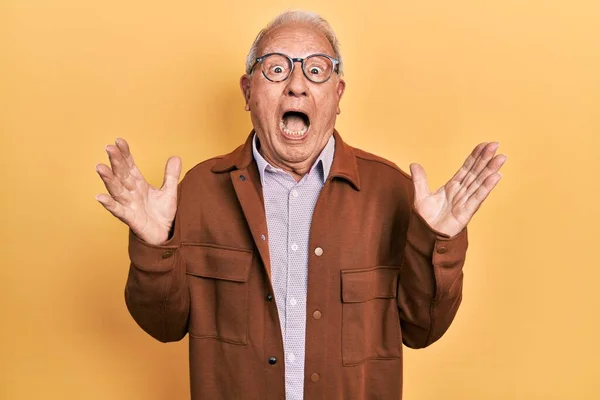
[(120, 168), (475, 201), (172, 173), (126, 153), (113, 207), (468, 164), (486, 155), (420, 181), (123, 146), (491, 168), (113, 185)]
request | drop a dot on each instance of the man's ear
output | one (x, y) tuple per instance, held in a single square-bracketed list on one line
[(245, 86), (341, 88)]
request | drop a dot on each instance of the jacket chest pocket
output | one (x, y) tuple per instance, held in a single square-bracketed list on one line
[(218, 284), (370, 318)]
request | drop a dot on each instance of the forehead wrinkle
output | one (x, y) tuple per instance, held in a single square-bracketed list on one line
[(303, 38)]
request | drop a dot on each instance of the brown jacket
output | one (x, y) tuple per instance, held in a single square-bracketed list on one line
[(378, 276)]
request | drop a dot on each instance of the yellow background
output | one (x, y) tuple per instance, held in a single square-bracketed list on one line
[(427, 81)]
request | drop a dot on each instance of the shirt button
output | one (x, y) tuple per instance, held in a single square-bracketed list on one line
[(315, 377), (295, 193), (272, 360), (291, 357), (319, 251), (167, 254), (317, 314), (294, 247), (269, 297), (442, 250), (293, 302)]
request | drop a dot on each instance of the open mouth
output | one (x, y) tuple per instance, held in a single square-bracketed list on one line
[(294, 123)]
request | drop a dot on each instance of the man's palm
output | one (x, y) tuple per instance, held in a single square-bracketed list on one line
[(148, 211), (449, 209)]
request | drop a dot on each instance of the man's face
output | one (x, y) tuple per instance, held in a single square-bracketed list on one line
[(295, 118)]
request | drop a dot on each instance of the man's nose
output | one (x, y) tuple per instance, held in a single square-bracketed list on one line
[(297, 84)]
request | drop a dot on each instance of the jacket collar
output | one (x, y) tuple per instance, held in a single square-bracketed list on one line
[(344, 161)]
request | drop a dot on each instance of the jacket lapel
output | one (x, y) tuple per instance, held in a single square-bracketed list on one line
[(246, 183)]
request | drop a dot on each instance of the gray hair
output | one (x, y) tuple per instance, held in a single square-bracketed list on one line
[(306, 17)]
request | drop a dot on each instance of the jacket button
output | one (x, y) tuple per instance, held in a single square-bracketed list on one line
[(315, 377), (319, 251), (269, 297), (167, 254), (242, 178), (272, 360), (317, 314), (442, 250)]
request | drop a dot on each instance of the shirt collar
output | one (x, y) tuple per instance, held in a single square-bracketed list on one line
[(344, 165), (324, 160)]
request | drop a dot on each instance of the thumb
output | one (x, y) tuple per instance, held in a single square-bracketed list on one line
[(420, 181), (172, 173)]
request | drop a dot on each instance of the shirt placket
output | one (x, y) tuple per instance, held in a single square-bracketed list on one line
[(296, 298), (278, 224)]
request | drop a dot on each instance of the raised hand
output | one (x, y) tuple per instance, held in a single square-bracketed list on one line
[(148, 211), (450, 208)]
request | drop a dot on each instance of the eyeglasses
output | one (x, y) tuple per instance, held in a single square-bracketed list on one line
[(317, 68)]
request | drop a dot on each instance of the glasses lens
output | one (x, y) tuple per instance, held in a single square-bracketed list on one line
[(318, 68), (276, 67)]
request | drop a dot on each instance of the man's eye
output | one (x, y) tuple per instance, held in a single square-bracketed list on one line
[(277, 69), (315, 71)]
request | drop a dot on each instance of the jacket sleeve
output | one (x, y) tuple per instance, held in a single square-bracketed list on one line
[(156, 292), (430, 282)]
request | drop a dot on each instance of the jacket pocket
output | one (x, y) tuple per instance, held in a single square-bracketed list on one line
[(218, 284), (370, 318)]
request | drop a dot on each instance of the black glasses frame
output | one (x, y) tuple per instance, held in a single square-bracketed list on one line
[(293, 61)]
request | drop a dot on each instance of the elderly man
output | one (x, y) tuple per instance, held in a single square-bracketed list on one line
[(298, 264)]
